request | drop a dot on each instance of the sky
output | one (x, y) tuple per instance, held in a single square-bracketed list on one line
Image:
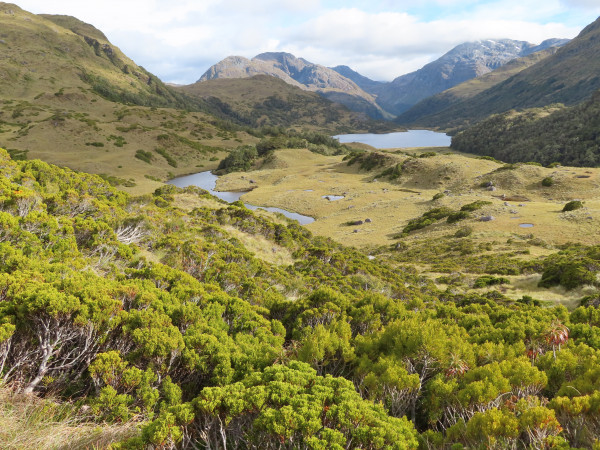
[(178, 40)]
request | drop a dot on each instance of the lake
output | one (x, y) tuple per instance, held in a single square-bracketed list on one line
[(410, 138), (208, 181)]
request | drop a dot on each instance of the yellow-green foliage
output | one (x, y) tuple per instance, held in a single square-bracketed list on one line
[(206, 347)]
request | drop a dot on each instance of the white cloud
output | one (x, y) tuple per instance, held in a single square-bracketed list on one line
[(377, 44), (584, 4), (179, 39)]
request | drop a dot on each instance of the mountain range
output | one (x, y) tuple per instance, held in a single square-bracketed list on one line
[(379, 99), (570, 76), (462, 63), (71, 97), (413, 312), (61, 78), (418, 113), (300, 73)]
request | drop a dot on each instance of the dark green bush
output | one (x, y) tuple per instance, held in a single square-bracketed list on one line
[(463, 232), (392, 173), (573, 205), (457, 216), (426, 219), (548, 181), (144, 156), (170, 160), (475, 205), (488, 280), (239, 160)]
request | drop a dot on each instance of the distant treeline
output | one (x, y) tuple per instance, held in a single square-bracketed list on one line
[(570, 136)]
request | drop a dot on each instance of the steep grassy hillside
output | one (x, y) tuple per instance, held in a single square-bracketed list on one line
[(68, 96), (72, 98), (565, 135), (570, 76), (44, 53), (263, 100), (419, 115)]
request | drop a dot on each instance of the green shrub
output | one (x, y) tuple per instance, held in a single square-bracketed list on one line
[(475, 205), (568, 274), (463, 232), (144, 156), (507, 167), (438, 196), (392, 173), (548, 181), (490, 158), (239, 160), (119, 141), (17, 155), (573, 205), (457, 216), (170, 160), (488, 280), (426, 219), (116, 181)]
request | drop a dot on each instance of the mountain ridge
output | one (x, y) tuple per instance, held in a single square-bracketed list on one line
[(569, 76), (470, 88), (300, 73), (380, 99), (363, 82), (464, 62), (270, 101)]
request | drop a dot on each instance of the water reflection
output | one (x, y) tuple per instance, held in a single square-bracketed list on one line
[(208, 181), (410, 138)]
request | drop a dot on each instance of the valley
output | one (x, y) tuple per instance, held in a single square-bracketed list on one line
[(436, 297), (372, 210)]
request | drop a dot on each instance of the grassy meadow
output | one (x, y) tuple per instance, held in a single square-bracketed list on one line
[(299, 181)]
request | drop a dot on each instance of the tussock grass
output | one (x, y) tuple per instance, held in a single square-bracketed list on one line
[(263, 248), (528, 286), (28, 422)]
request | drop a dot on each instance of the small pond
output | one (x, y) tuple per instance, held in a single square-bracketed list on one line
[(410, 138), (333, 198), (526, 225), (208, 181)]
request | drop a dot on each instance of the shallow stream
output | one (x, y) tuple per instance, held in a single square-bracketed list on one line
[(208, 181)]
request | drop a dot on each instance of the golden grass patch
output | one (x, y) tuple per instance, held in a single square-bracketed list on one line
[(308, 178), (28, 422), (262, 247)]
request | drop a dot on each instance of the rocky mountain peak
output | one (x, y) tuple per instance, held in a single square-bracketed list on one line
[(464, 62), (299, 72)]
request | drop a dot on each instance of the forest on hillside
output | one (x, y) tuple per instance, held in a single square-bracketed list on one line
[(140, 310), (553, 134)]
